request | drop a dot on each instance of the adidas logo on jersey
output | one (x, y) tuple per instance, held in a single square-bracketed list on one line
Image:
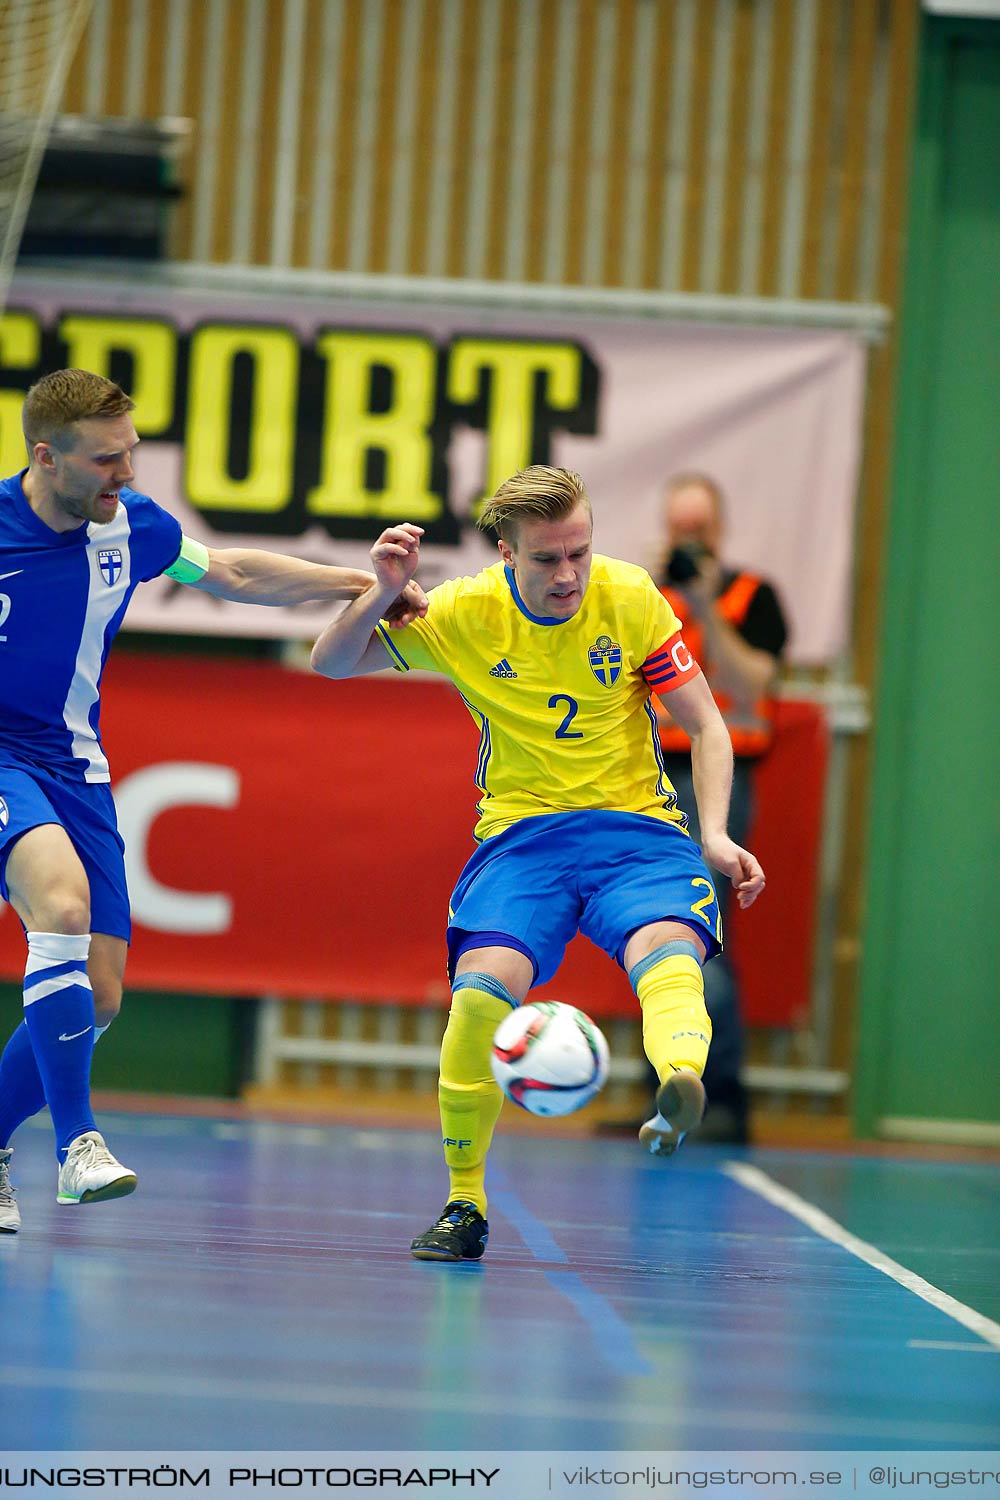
[(503, 669)]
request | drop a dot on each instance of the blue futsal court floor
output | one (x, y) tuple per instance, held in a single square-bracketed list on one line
[(257, 1293)]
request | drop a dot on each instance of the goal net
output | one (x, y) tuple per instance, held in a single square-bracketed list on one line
[(37, 41)]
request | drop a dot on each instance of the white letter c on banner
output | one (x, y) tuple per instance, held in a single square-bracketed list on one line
[(140, 798)]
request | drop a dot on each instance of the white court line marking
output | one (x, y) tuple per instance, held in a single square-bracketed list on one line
[(759, 1182)]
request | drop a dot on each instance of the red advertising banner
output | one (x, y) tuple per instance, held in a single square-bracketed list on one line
[(298, 837)]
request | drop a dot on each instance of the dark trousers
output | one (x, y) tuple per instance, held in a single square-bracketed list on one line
[(725, 1057)]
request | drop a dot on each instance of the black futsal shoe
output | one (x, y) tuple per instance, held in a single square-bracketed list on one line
[(459, 1234)]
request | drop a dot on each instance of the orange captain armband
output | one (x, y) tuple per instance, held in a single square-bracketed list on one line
[(670, 666)]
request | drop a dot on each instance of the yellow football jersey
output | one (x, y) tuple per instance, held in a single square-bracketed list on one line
[(563, 708)]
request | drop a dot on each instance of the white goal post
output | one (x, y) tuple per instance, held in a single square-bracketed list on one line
[(37, 41)]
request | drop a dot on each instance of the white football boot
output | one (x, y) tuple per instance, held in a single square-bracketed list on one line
[(90, 1173), (10, 1218), (680, 1104)]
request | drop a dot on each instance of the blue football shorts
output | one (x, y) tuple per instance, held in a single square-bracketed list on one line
[(605, 874), (31, 796)]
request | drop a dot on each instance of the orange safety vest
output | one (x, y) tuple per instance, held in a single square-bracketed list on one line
[(750, 729)]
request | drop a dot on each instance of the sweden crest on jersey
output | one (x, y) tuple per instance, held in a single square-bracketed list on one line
[(606, 660), (109, 560)]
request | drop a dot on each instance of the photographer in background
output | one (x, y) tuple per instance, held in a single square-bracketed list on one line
[(734, 626)]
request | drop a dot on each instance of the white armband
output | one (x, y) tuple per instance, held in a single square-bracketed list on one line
[(192, 562)]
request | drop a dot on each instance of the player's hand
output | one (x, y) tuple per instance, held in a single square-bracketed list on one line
[(411, 605), (743, 868), (395, 556)]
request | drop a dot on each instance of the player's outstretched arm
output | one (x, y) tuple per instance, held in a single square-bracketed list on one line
[(348, 646), (695, 710), (251, 576)]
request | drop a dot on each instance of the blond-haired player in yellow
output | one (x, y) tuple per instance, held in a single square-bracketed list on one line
[(556, 651)]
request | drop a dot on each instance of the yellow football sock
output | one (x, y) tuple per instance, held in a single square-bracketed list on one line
[(676, 1030), (468, 1097)]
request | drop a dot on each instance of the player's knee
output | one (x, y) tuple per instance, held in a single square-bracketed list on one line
[(63, 910), (107, 998), (509, 968), (651, 939)]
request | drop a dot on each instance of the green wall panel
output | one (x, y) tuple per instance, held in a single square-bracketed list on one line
[(165, 1044), (929, 1031)]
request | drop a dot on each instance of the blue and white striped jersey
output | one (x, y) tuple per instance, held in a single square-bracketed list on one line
[(63, 596)]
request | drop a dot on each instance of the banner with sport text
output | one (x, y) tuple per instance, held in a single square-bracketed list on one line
[(294, 836), (306, 424)]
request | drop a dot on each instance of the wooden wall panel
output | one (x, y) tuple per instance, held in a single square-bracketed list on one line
[(682, 145)]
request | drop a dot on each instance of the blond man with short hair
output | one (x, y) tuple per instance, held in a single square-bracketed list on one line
[(556, 652)]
